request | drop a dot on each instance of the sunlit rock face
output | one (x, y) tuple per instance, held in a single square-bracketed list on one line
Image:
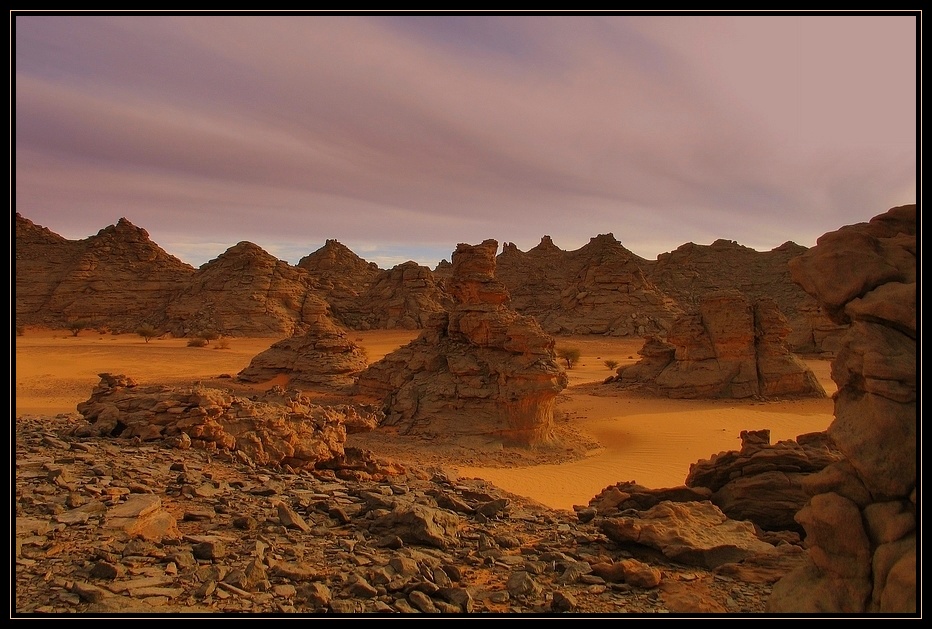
[(861, 518), (727, 348), (479, 369)]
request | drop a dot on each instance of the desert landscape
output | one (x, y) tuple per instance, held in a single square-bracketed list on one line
[(602, 438), (688, 464)]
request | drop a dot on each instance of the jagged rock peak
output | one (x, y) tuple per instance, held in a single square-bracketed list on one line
[(28, 232)]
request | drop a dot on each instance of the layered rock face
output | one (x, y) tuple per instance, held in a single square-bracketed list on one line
[(324, 357), (480, 369), (597, 289), (291, 432), (861, 519), (341, 277), (245, 291), (117, 278), (692, 270), (729, 348), (405, 296)]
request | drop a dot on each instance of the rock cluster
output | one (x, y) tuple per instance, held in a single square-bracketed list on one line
[(479, 370), (728, 348), (322, 358), (403, 297), (341, 276), (107, 525), (292, 432), (861, 520), (763, 483)]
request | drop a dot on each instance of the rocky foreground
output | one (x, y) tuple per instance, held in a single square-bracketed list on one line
[(120, 526)]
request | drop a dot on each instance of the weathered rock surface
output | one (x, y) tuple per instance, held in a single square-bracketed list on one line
[(341, 276), (323, 358), (403, 297), (479, 370), (692, 271), (292, 432), (107, 525), (117, 278), (728, 348), (861, 521), (597, 289), (244, 291), (761, 482)]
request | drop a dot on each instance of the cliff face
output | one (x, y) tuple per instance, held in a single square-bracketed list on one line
[(480, 369), (861, 518)]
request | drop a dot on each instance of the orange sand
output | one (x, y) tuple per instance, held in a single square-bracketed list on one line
[(650, 441)]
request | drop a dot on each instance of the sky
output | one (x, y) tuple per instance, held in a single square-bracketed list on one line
[(403, 135)]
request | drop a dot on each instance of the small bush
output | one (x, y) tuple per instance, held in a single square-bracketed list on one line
[(570, 355), (209, 336), (77, 326), (222, 344), (197, 341), (611, 364), (147, 332)]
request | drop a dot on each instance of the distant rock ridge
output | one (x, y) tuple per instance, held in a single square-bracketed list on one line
[(341, 276), (597, 289), (479, 370), (244, 291), (92, 276), (727, 348), (861, 519), (403, 297)]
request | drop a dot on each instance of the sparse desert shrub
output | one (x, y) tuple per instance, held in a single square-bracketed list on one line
[(147, 332), (222, 344), (570, 355), (197, 341), (209, 336), (77, 325), (611, 364)]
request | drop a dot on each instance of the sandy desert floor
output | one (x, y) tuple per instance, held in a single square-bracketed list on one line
[(602, 435)]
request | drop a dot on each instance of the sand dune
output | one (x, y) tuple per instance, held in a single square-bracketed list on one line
[(648, 440)]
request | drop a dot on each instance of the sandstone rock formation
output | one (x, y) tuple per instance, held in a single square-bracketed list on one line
[(761, 482), (403, 297), (340, 275), (324, 357), (861, 521), (295, 434), (244, 291), (481, 369), (597, 289), (117, 278), (692, 271), (728, 348)]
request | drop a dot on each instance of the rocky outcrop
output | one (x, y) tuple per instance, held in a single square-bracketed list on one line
[(761, 482), (479, 369), (692, 271), (117, 278), (323, 358), (403, 297), (341, 277), (94, 536), (245, 291), (295, 434), (861, 521), (728, 348), (597, 289)]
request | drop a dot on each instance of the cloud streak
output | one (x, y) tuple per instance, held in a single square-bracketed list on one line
[(402, 134)]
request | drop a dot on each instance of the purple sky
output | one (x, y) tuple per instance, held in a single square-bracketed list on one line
[(401, 136)]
